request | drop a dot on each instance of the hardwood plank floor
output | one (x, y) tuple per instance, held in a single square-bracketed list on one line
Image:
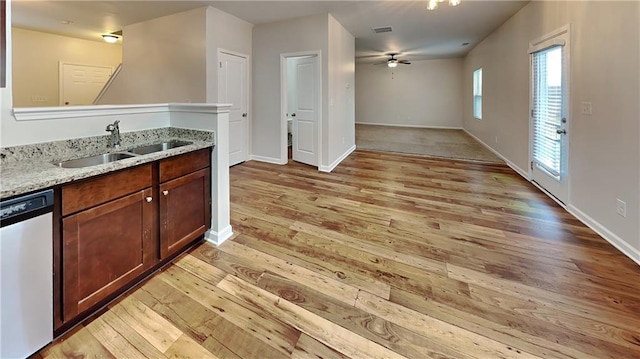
[(389, 256)]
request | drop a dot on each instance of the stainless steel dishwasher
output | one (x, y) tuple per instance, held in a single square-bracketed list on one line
[(26, 274)]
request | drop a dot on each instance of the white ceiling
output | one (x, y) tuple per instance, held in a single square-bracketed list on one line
[(417, 33)]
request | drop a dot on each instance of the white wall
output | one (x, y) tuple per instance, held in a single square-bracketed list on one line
[(604, 150), (227, 32), (14, 133), (426, 93), (337, 46), (339, 131), (164, 60), (36, 58), (24, 132), (269, 41)]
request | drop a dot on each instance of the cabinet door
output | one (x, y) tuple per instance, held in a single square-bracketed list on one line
[(104, 248), (185, 210)]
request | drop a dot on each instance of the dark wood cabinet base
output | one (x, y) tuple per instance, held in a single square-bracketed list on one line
[(104, 305), (114, 230)]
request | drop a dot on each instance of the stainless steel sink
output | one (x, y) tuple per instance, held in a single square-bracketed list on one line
[(111, 157), (157, 147), (95, 160)]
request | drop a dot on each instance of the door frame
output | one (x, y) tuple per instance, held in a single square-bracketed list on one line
[(317, 54), (249, 122), (563, 33), (61, 77)]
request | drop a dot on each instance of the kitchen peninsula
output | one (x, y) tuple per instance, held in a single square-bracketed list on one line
[(118, 220)]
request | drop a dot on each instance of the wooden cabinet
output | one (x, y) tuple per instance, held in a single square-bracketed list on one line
[(185, 210), (107, 236), (185, 200), (118, 227)]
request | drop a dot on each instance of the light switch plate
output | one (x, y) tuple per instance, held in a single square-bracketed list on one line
[(621, 207), (586, 108)]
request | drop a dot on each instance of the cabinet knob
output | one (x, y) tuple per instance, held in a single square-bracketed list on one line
[(149, 199), (165, 192)]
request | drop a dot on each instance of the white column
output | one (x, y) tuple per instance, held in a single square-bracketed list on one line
[(212, 117), (221, 202)]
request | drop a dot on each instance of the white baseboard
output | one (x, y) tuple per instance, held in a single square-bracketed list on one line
[(337, 162), (404, 125), (275, 161), (601, 230), (216, 238), (521, 172), (609, 236), (542, 189)]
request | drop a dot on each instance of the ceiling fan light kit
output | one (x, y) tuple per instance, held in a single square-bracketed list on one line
[(433, 4), (392, 61)]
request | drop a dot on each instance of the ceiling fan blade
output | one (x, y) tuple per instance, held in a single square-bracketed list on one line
[(405, 62), (369, 57), (380, 63)]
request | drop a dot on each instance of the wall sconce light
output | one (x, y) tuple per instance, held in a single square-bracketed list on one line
[(112, 39)]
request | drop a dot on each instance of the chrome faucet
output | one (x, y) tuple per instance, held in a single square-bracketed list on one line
[(115, 133)]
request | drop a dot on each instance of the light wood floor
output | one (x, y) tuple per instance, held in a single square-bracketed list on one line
[(389, 256), (435, 142)]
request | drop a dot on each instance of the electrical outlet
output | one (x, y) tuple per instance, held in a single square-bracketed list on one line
[(621, 208), (586, 108)]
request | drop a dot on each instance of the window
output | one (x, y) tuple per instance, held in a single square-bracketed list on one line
[(477, 94), (547, 108)]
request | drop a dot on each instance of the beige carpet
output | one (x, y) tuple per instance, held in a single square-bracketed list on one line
[(423, 141)]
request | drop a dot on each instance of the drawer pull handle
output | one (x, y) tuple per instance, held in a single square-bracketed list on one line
[(165, 192), (149, 199)]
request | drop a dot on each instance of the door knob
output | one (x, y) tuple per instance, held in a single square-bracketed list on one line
[(165, 192), (293, 115), (244, 114), (149, 199), (561, 132)]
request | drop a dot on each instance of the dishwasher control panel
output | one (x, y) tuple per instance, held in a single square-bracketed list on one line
[(17, 207)]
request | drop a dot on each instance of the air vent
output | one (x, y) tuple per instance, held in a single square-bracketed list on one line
[(379, 30)]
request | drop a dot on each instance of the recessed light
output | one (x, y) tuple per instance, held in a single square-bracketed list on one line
[(66, 22)]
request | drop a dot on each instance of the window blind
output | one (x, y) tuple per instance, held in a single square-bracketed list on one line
[(547, 107), (477, 93)]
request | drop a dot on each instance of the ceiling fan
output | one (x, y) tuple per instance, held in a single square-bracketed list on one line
[(393, 62)]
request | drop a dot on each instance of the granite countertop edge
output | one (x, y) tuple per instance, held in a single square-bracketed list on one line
[(35, 174)]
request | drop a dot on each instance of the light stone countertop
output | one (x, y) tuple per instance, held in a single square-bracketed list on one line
[(29, 168)]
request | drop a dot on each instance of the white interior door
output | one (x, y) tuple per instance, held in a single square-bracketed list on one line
[(549, 116), (305, 114), (81, 84), (232, 88)]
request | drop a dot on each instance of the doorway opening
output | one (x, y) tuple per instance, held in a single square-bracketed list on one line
[(301, 100)]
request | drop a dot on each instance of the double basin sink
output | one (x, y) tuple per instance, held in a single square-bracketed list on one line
[(116, 156)]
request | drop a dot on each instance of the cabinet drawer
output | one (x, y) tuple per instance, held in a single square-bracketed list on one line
[(86, 194), (175, 167)]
